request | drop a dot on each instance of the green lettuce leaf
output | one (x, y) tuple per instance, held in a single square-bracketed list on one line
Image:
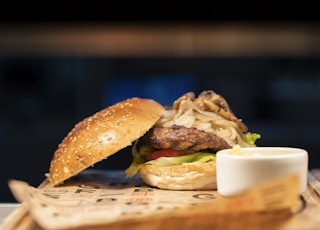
[(194, 158), (137, 162), (251, 138)]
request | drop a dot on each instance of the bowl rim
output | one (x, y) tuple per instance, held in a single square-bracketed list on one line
[(285, 152)]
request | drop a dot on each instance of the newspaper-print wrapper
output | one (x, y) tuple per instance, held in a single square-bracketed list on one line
[(96, 197)]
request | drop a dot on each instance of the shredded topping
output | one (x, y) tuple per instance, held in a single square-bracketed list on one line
[(207, 115)]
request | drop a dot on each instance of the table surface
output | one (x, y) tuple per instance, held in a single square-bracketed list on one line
[(6, 209), (18, 218)]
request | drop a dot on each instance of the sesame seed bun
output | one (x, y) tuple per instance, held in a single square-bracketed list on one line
[(198, 176), (99, 136)]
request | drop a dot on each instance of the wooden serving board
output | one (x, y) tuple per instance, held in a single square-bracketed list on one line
[(307, 217)]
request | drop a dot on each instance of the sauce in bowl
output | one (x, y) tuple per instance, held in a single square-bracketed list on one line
[(239, 169)]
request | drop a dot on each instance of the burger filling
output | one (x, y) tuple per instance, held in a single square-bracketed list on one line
[(191, 131), (170, 157)]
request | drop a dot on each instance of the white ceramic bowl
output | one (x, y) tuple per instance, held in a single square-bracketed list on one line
[(237, 173)]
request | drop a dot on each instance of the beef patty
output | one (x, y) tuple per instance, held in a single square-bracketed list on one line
[(181, 138)]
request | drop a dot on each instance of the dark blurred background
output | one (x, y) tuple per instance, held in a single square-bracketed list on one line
[(53, 76)]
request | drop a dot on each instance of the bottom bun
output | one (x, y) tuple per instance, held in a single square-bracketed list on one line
[(200, 176)]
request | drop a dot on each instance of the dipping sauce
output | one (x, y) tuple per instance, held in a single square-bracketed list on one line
[(239, 169)]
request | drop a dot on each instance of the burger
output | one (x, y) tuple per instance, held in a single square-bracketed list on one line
[(173, 147), (178, 152)]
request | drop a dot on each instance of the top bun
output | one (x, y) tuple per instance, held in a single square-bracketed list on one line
[(97, 137)]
